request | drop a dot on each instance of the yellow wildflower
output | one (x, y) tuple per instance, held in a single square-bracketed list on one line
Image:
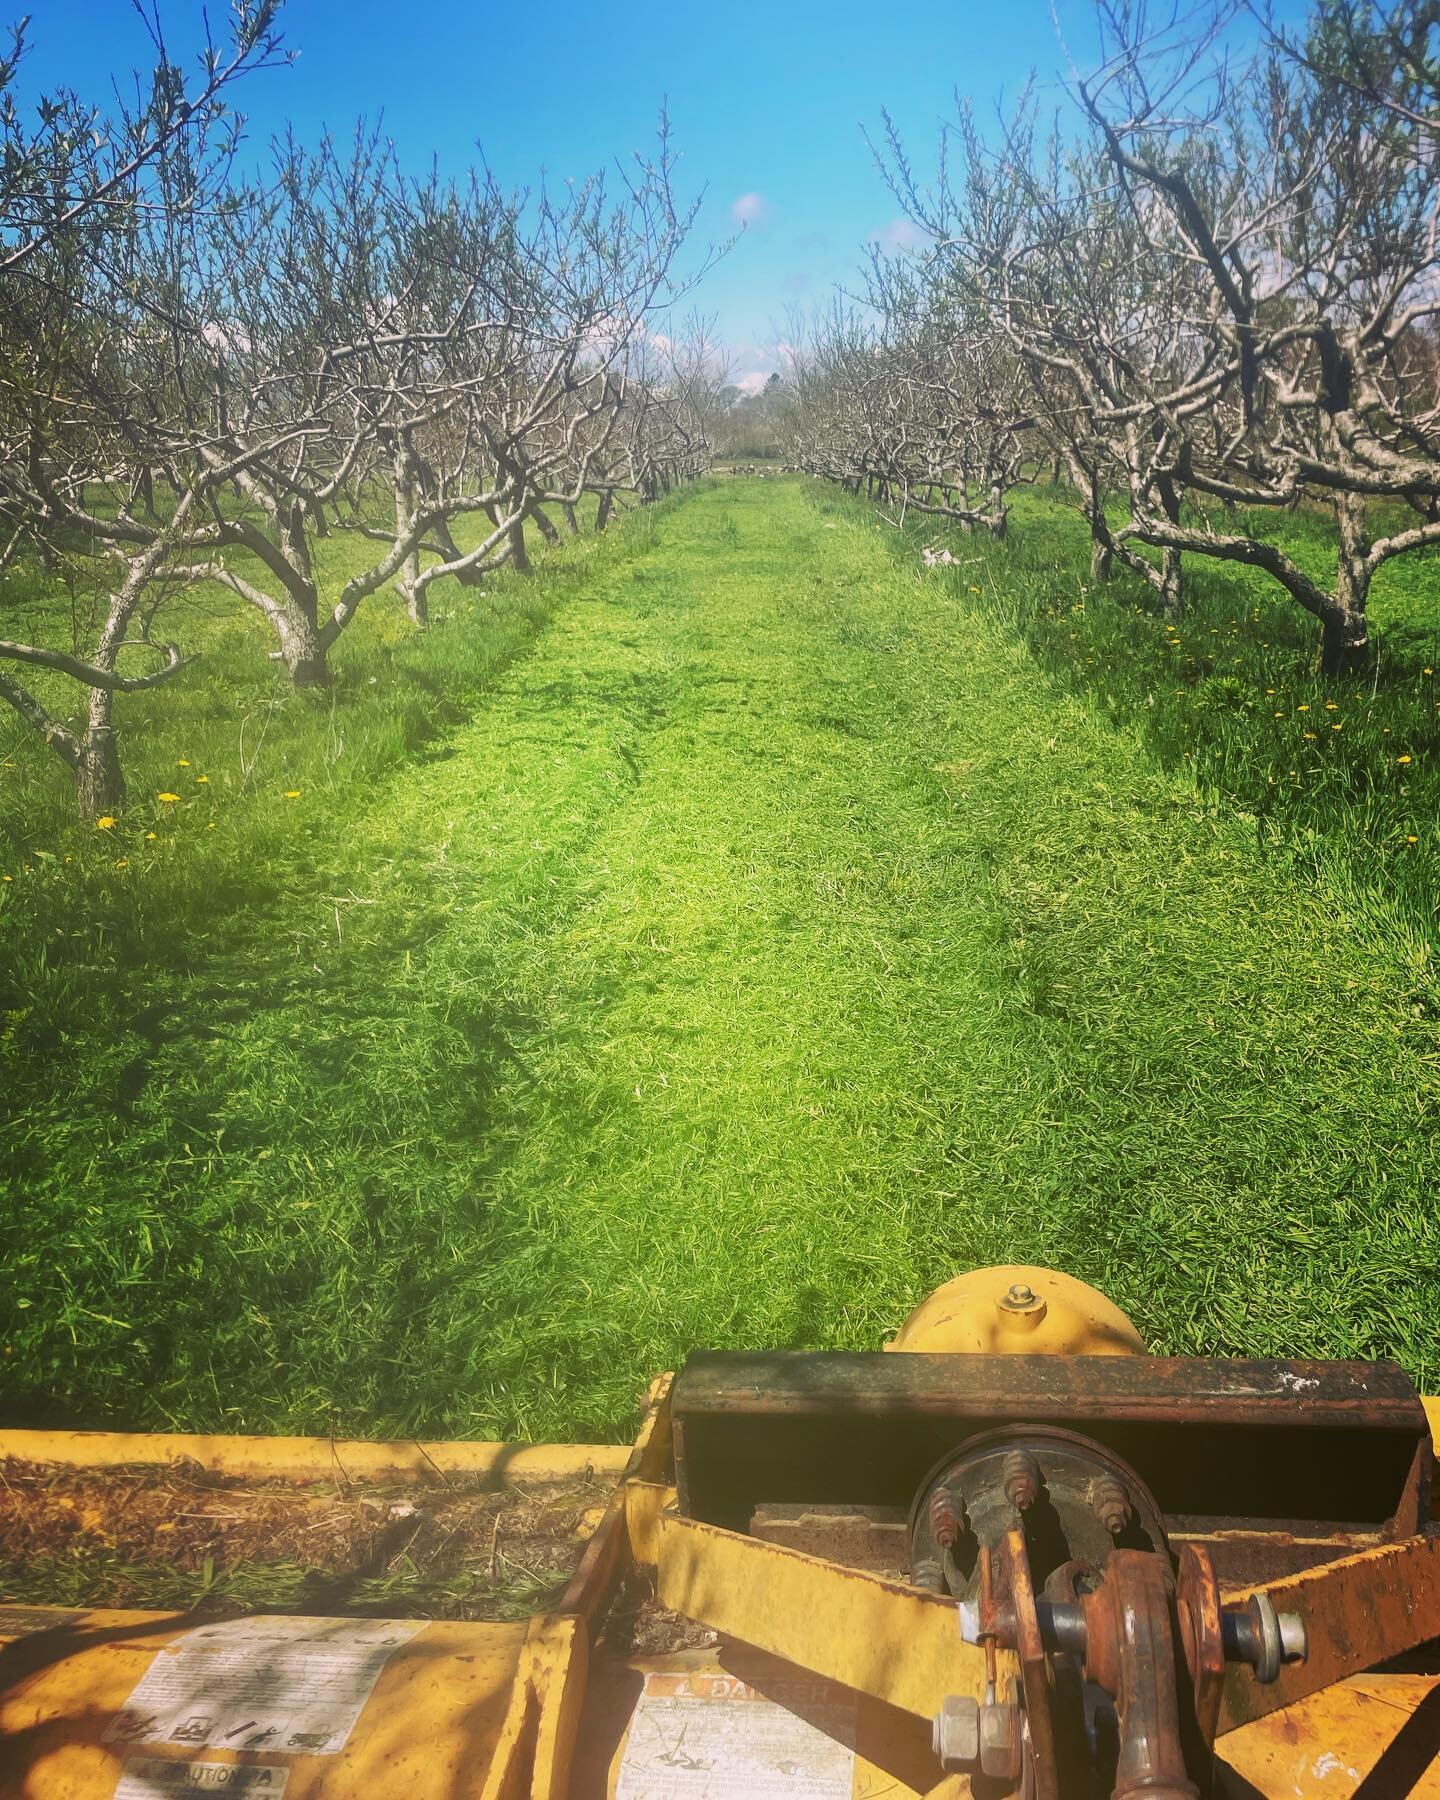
[(1337, 727), (1412, 840), (184, 762), (1402, 759), (292, 794), (149, 837), (105, 824), (974, 590), (124, 863), (1302, 709), (169, 799), (1427, 671), (1310, 734), (202, 779), (1279, 715)]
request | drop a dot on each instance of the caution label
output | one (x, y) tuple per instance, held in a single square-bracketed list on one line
[(709, 1736), (296, 1685), (159, 1778)]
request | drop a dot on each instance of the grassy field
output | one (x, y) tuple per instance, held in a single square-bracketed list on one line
[(718, 940)]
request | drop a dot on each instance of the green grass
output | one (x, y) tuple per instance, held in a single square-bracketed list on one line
[(1341, 773), (770, 937)]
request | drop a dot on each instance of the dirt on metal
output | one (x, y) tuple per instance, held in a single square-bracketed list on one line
[(160, 1536)]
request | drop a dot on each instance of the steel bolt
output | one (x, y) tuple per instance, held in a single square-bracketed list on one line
[(1265, 1638), (955, 1734), (1021, 1294), (1111, 1503), (1020, 1478), (1000, 1753), (944, 1518), (970, 1739)]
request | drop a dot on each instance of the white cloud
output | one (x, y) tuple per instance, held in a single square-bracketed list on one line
[(900, 234), (752, 382), (749, 209)]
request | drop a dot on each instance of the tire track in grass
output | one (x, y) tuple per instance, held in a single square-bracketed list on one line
[(895, 962), (774, 942)]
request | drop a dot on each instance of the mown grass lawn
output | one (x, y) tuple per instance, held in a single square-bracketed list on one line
[(770, 938)]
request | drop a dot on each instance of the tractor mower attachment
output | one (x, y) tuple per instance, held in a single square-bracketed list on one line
[(1067, 1573)]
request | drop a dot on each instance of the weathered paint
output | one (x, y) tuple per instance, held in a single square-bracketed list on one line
[(316, 1459)]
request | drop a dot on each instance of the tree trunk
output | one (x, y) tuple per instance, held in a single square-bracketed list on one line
[(543, 526), (99, 783), (572, 524), (1172, 593), (1102, 555), (1345, 638), (607, 503), (301, 650)]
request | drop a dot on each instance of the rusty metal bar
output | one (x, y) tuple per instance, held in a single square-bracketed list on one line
[(1357, 1612)]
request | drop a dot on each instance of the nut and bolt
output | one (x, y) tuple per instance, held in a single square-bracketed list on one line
[(1018, 1296), (944, 1518), (1263, 1637), (1020, 1478), (974, 1738), (955, 1734), (1111, 1504)]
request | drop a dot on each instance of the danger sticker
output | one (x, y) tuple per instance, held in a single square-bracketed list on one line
[(710, 1736), (296, 1685), (158, 1778)]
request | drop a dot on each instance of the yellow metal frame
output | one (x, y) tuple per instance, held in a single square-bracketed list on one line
[(503, 1711)]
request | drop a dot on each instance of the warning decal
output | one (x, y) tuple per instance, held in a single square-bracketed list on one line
[(156, 1778), (709, 1736), (296, 1685)]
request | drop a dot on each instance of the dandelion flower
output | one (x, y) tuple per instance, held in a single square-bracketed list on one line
[(1427, 671), (7, 877), (105, 824), (169, 799), (1329, 706), (1412, 840), (292, 793), (202, 779), (974, 590), (1310, 734), (149, 837), (184, 762), (1279, 715), (1402, 759), (1337, 727), (1269, 690), (124, 863), (1302, 709)]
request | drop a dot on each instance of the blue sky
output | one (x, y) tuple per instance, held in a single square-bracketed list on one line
[(767, 103)]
